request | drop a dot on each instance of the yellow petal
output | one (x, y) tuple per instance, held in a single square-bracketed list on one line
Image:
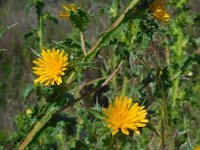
[(125, 131), (115, 131), (123, 116), (50, 67)]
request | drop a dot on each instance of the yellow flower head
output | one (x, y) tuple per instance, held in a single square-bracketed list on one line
[(50, 67), (29, 111), (123, 115), (157, 7), (67, 10), (197, 147)]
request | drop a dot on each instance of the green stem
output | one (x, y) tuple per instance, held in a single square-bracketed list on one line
[(38, 126), (162, 125), (40, 32), (83, 43), (175, 92), (78, 132), (124, 86), (61, 141), (166, 127), (173, 106), (113, 27)]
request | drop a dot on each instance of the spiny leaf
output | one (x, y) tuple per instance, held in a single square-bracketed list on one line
[(153, 129)]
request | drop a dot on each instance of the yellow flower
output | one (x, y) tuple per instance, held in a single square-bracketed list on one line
[(157, 7), (50, 67), (197, 147), (29, 111), (123, 115), (67, 10)]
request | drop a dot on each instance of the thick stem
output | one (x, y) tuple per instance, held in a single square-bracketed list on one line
[(38, 126)]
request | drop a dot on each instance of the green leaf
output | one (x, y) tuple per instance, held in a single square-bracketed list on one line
[(39, 5), (35, 52), (6, 28), (28, 35), (49, 16), (29, 88), (1, 51), (79, 19), (150, 127)]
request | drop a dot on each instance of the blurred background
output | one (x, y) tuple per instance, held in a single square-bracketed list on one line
[(16, 55)]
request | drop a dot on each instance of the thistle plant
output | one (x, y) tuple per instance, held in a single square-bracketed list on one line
[(127, 90)]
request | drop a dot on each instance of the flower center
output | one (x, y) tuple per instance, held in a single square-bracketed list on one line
[(54, 69)]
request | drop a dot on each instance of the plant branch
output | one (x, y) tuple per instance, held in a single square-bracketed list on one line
[(112, 75), (94, 90), (38, 126), (40, 32), (83, 43), (113, 26)]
